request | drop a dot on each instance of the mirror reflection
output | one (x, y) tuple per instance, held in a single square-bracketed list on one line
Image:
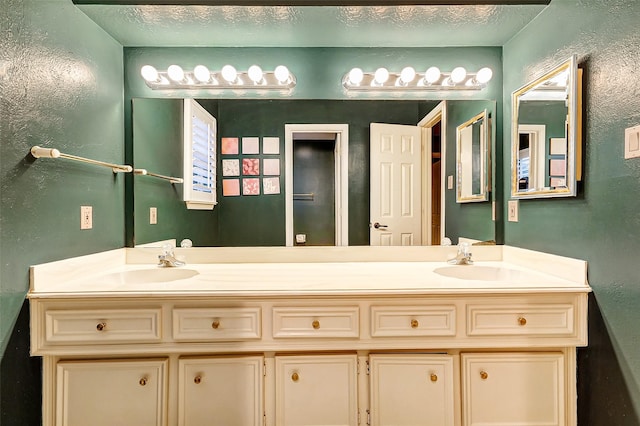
[(546, 135), (258, 218), (472, 160)]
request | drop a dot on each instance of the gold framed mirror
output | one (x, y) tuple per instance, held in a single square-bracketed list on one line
[(472, 159), (546, 141)]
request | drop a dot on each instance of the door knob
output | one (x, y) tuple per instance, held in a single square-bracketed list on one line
[(378, 226)]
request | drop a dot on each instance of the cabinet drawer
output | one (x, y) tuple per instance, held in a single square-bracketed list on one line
[(211, 324), (520, 320), (389, 321), (316, 322), (102, 326)]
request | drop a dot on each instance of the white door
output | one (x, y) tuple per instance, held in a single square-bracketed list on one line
[(395, 190)]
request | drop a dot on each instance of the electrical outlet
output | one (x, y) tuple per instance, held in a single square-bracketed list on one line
[(632, 142), (513, 211), (86, 217), (153, 215), (301, 238)]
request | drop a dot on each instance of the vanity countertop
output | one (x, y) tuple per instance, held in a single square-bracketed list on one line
[(308, 271)]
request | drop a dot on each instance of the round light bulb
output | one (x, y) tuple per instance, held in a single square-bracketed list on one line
[(229, 73), (458, 75), (282, 73), (175, 73), (202, 74), (355, 76), (381, 75), (149, 73), (255, 73), (432, 75), (407, 74), (484, 75)]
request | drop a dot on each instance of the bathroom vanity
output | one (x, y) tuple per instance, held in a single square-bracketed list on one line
[(310, 336)]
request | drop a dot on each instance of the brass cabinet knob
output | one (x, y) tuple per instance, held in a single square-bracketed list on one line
[(197, 380), (522, 321), (484, 375), (143, 381), (315, 324), (101, 326), (414, 323), (295, 377), (433, 377), (215, 324)]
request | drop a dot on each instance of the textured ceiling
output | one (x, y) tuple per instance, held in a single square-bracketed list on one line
[(312, 26)]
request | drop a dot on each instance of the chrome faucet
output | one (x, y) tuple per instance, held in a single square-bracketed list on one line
[(463, 257), (168, 258)]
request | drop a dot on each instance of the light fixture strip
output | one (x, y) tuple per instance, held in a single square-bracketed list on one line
[(418, 83), (242, 81)]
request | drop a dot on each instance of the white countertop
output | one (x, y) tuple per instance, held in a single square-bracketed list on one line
[(280, 271)]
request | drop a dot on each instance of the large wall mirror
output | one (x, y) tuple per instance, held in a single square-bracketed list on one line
[(472, 160), (259, 220), (546, 134)]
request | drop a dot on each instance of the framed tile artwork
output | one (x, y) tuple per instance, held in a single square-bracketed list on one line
[(271, 167), (271, 145), (250, 166), (230, 187), (231, 167), (251, 145), (229, 146), (251, 186), (271, 185)]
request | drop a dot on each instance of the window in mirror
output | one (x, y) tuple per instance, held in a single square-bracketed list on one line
[(546, 146), (472, 163), (199, 157)]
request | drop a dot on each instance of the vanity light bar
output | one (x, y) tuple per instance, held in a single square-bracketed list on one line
[(409, 80), (228, 78)]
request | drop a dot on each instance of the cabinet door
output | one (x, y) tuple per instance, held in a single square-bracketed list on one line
[(513, 389), (114, 392), (410, 390), (221, 391), (316, 390)]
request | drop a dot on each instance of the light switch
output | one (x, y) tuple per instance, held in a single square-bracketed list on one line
[(513, 211), (632, 142), (450, 182)]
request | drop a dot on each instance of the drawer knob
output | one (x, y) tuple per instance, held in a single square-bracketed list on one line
[(197, 380), (522, 321), (101, 326), (215, 324), (295, 377), (414, 323), (143, 381), (484, 375), (433, 377), (315, 324)]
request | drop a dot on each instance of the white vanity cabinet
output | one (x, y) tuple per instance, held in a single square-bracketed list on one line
[(526, 389), (412, 389), (348, 343), (111, 392), (221, 391), (316, 390)]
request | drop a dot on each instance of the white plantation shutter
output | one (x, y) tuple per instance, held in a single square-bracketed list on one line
[(199, 157)]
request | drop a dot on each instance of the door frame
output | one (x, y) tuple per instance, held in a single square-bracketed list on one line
[(341, 132), (439, 113)]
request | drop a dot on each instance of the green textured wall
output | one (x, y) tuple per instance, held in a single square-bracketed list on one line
[(470, 220), (602, 224), (61, 86)]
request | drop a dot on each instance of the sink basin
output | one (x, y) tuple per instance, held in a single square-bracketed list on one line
[(482, 273), (144, 276)]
